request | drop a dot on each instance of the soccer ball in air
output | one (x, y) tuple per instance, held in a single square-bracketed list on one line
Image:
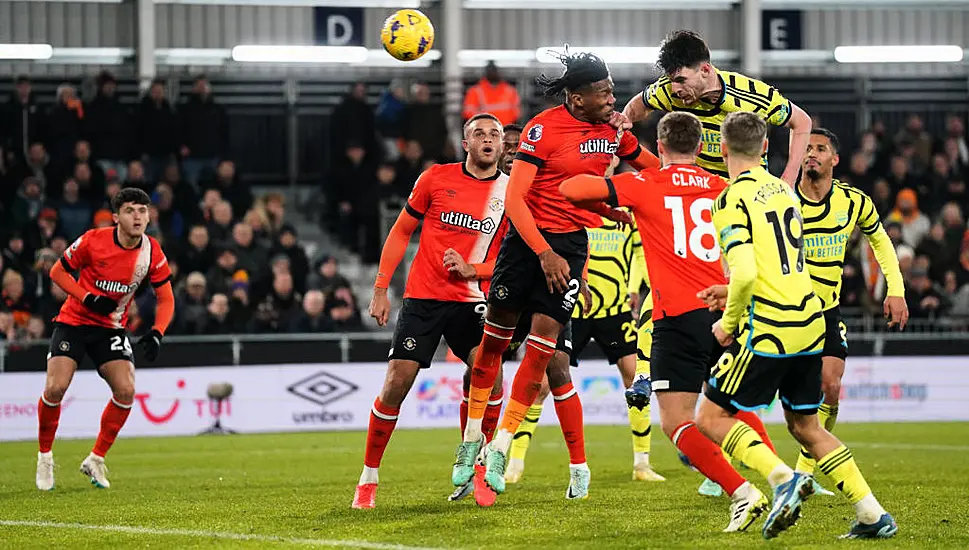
[(407, 35)]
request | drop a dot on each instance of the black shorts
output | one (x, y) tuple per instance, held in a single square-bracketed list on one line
[(615, 335), (563, 344), (684, 350), (518, 283), (835, 334), (744, 381), (422, 323), (101, 344)]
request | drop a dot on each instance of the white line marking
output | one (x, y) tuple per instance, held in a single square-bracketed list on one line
[(910, 446), (210, 534)]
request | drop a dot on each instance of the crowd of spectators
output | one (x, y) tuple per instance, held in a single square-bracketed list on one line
[(238, 264)]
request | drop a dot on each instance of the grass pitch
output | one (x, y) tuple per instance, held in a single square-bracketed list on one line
[(294, 491)]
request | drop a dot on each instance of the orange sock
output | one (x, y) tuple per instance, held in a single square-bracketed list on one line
[(492, 414), (569, 410), (487, 361), (383, 420), (112, 419), (464, 412), (48, 417), (528, 381), (751, 419)]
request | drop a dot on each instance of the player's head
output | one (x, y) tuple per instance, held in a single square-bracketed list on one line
[(482, 139), (130, 206), (678, 135), (509, 146), (743, 135), (685, 58), (822, 154), (586, 84)]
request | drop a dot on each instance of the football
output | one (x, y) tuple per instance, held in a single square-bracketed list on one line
[(407, 35)]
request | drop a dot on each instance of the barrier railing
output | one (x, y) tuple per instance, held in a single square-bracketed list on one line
[(363, 347)]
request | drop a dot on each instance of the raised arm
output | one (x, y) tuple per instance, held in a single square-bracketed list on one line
[(800, 126)]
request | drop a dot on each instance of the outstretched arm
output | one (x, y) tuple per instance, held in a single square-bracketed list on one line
[(522, 176), (390, 256), (60, 275), (165, 308), (636, 109), (800, 126)]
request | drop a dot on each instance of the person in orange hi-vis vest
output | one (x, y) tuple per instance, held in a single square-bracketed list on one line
[(493, 95)]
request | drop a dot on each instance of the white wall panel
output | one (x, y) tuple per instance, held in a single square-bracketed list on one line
[(67, 24)]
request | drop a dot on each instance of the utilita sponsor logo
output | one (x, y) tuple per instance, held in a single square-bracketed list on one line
[(899, 391), (598, 146), (114, 287), (21, 410), (204, 408), (322, 389), (439, 397), (467, 221)]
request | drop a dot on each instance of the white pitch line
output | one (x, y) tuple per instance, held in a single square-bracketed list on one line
[(211, 535), (910, 446)]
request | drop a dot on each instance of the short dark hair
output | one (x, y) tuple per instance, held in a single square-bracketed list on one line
[(514, 128), (744, 133), (479, 116), (835, 143), (682, 48), (581, 69), (129, 194), (680, 132)]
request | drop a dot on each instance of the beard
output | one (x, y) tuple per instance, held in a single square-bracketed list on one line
[(813, 174)]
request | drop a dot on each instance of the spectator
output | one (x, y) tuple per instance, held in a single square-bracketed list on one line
[(882, 196), (220, 276), (191, 312), (37, 166), (252, 256), (158, 137), (136, 177), (171, 222), (74, 214), (15, 255), (425, 122), (210, 198), (955, 132), (186, 200), (258, 220), (915, 225), (82, 155), (955, 226), (390, 118), (409, 168), (39, 283), (107, 125), (312, 319), (230, 188), (220, 225), (204, 131), (219, 320), (276, 311), (936, 249), (51, 304), (493, 95), (275, 205), (346, 183), (22, 122), (65, 123), (198, 255), (299, 266), (87, 185), (341, 307), (15, 300), (925, 299), (914, 134), (326, 275), (103, 218), (26, 207), (858, 174), (40, 233), (239, 304), (900, 176), (952, 150), (353, 121)]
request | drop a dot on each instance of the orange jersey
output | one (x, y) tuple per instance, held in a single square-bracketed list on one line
[(562, 146), (673, 207), (106, 268), (459, 212)]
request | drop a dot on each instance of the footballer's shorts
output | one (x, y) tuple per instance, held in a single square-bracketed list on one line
[(422, 323), (744, 381), (564, 343), (684, 351), (835, 335), (518, 283), (101, 344), (616, 336)]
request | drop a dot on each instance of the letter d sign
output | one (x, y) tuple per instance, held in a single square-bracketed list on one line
[(338, 26)]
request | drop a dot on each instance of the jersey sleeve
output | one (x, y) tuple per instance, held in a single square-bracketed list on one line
[(78, 254), (657, 96), (419, 199), (160, 272), (626, 189), (868, 220), (536, 145), (778, 106), (628, 146), (732, 221)]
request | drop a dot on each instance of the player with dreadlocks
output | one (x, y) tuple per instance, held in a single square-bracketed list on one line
[(541, 262)]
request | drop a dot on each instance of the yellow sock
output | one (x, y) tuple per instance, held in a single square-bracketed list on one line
[(827, 416), (639, 423), (523, 436), (743, 443), (840, 466)]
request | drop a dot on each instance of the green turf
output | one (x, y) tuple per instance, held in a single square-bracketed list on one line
[(299, 486)]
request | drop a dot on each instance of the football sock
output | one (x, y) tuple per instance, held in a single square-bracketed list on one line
[(705, 456), (523, 436), (841, 467), (48, 417), (827, 416), (112, 419), (569, 410), (383, 419), (487, 361), (743, 443), (492, 414), (639, 424), (464, 413), (753, 420), (525, 387)]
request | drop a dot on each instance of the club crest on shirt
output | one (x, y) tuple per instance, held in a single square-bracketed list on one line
[(841, 217), (65, 346), (410, 343), (501, 292), (496, 204), (535, 133), (140, 272)]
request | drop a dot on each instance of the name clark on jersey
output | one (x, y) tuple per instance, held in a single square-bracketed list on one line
[(689, 180), (467, 221)]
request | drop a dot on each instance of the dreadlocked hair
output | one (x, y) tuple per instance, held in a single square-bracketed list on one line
[(581, 69)]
